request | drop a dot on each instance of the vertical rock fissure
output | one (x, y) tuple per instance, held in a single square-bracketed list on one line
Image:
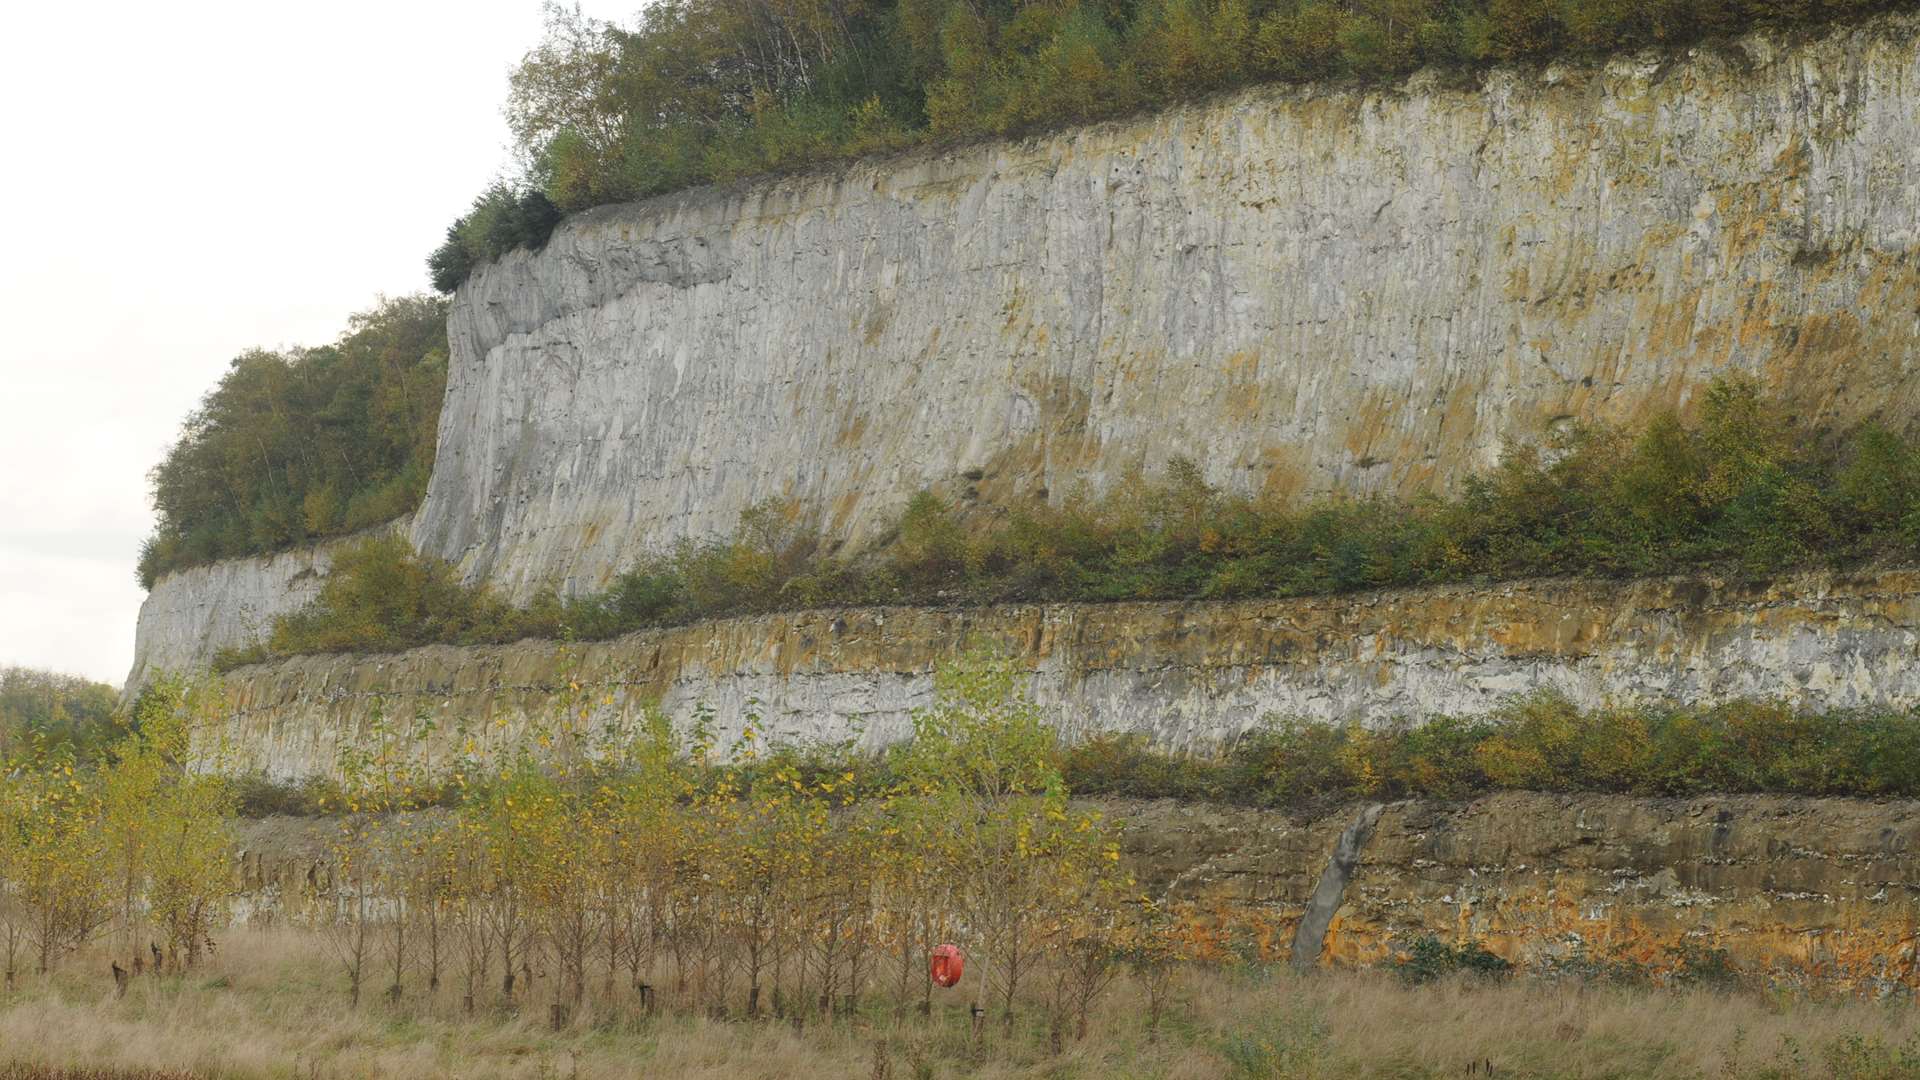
[(1311, 935)]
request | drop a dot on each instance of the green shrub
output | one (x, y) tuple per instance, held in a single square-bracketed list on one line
[(1274, 1044), (1128, 766), (1537, 743), (1427, 958), (505, 217), (256, 796), (1694, 963), (380, 596)]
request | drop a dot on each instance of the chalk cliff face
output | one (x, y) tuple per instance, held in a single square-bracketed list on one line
[(1186, 675), (1299, 290), (192, 614)]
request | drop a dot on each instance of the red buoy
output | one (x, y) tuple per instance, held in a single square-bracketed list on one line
[(947, 962)]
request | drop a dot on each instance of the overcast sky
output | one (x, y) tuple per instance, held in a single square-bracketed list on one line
[(183, 181)]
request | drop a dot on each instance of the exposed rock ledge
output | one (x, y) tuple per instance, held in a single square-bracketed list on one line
[(1187, 674), (191, 614)]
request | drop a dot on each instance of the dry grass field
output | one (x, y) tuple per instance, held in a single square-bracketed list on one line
[(272, 1004)]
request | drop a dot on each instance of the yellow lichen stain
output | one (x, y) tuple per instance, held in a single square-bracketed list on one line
[(1059, 443), (1370, 424), (851, 431), (1519, 285), (1281, 472), (877, 322), (1242, 394), (843, 509), (1015, 307)]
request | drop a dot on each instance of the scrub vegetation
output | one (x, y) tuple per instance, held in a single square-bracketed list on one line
[(1744, 490), (45, 712), (1538, 742), (608, 896), (698, 91), (130, 845)]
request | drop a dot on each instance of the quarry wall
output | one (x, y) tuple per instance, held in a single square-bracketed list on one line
[(1795, 891), (190, 615), (1186, 675), (1301, 290)]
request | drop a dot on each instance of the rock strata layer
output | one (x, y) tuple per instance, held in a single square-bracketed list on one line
[(1791, 890), (192, 614), (1795, 891), (1186, 675)]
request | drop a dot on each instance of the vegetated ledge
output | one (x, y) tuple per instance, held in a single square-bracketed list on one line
[(1187, 675), (1056, 332), (193, 612), (1771, 889)]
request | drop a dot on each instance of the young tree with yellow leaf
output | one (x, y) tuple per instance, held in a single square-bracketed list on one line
[(982, 768), (168, 826)]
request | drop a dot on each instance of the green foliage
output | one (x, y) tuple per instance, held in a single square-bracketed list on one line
[(646, 852), (1741, 490), (984, 741), (132, 837), (379, 596), (46, 714), (165, 828), (975, 744), (257, 796), (503, 218), (1695, 963), (1540, 743), (295, 446), (1428, 958), (1847, 1057), (704, 90), (1278, 1044)]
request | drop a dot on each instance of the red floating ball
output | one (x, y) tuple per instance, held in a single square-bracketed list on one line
[(947, 963)]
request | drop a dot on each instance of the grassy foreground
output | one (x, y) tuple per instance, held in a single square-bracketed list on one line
[(269, 1004)]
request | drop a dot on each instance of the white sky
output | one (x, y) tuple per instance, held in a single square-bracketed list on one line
[(182, 181)]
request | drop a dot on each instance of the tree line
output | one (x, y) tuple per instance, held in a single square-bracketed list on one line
[(712, 90), (45, 712), (603, 866), (301, 444)]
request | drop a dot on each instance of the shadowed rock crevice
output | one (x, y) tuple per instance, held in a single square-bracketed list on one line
[(1311, 935)]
